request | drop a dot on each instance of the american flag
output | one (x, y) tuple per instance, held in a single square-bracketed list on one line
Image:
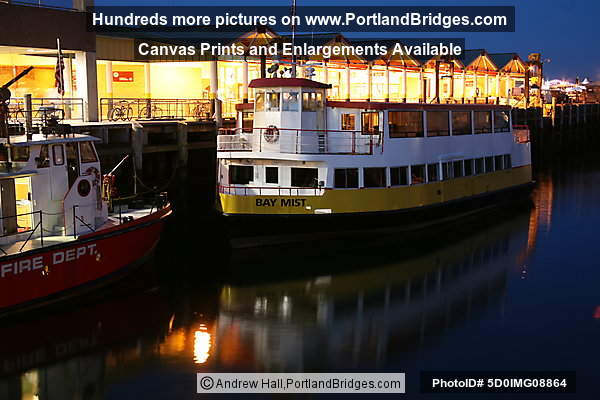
[(59, 78)]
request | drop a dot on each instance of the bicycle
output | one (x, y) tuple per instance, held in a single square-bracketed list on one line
[(201, 111), (153, 112), (121, 111)]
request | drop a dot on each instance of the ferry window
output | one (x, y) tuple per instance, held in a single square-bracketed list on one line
[(370, 123), (311, 101), (468, 167), (271, 175), (345, 178), (304, 177), (507, 161), (374, 177), (247, 121), (290, 101), (461, 122), (405, 124), (457, 168), (417, 174), (87, 152), (483, 122), (259, 100), (479, 166), (43, 161), (501, 121), (437, 123), (19, 153), (241, 174), (272, 103), (433, 172), (348, 122), (489, 164), (447, 170), (399, 176), (58, 154), (498, 163)]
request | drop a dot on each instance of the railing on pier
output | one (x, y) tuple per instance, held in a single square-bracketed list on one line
[(240, 190), (298, 141), (70, 107), (127, 109)]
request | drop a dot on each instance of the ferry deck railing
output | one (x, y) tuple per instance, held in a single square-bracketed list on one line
[(298, 141), (240, 190)]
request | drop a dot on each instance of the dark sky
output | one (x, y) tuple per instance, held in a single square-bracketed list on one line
[(566, 32)]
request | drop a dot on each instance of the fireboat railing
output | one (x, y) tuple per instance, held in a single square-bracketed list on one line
[(270, 190), (299, 141), (31, 231)]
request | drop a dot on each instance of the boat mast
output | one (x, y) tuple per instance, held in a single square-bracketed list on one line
[(294, 58)]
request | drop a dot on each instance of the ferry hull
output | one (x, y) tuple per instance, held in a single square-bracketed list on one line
[(46, 275), (311, 227)]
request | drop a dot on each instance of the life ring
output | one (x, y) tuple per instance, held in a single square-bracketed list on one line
[(93, 171), (271, 134)]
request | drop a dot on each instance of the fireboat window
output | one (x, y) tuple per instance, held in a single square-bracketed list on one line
[(20, 153), (348, 122), (370, 123), (437, 123), (374, 177), (87, 152), (461, 122), (58, 154), (345, 178), (43, 161), (483, 122), (272, 103), (311, 101), (399, 176), (501, 121), (304, 177), (404, 124), (290, 101), (259, 100), (241, 174)]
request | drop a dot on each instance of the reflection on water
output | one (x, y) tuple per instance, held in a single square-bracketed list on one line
[(396, 305)]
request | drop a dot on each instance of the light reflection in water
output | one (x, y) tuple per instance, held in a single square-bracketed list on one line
[(202, 345)]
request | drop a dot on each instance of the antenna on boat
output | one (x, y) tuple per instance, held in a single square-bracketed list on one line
[(294, 58)]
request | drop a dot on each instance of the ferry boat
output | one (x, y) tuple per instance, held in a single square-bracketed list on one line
[(296, 156), (58, 238)]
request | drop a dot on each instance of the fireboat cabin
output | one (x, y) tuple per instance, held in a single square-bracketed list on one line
[(295, 153)]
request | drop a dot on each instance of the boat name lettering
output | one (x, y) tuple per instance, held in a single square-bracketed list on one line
[(58, 257), (282, 202)]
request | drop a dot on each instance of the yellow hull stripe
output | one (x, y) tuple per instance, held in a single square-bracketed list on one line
[(379, 199)]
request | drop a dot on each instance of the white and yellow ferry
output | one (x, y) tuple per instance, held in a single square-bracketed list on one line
[(295, 154)]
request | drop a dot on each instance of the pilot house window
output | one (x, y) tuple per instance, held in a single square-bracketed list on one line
[(272, 103), (311, 101), (87, 152), (290, 101)]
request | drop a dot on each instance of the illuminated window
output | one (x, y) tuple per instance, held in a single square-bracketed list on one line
[(259, 100), (483, 121), (437, 123), (311, 101), (417, 174), (370, 123), (461, 122), (348, 122), (404, 124), (58, 154), (272, 103)]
